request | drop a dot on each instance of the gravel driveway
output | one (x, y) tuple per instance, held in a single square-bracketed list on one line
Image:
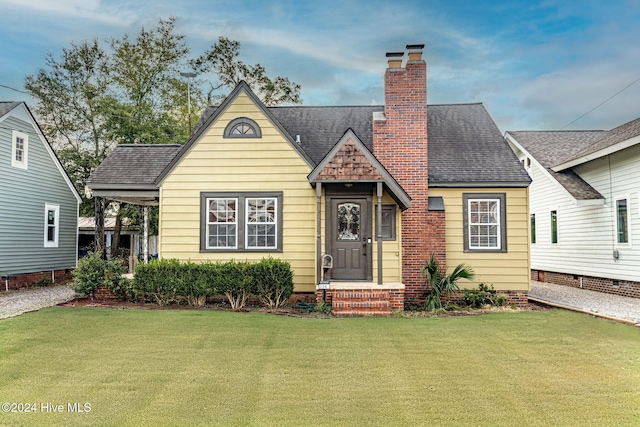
[(14, 303), (616, 306)]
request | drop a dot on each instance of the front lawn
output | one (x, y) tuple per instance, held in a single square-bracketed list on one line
[(199, 367)]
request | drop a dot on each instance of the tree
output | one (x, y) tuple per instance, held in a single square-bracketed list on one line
[(222, 60), (71, 99), (130, 91), (148, 103)]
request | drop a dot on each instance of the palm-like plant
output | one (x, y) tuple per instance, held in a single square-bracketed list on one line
[(441, 284)]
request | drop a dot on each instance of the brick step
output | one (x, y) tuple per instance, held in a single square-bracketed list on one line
[(361, 313), (361, 295), (361, 305)]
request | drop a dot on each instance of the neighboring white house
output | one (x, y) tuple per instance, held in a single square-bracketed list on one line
[(584, 206)]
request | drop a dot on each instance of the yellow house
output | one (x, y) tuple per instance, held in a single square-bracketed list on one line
[(355, 198)]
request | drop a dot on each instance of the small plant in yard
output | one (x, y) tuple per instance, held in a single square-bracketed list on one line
[(92, 271), (324, 308), (484, 295), (44, 281), (442, 284)]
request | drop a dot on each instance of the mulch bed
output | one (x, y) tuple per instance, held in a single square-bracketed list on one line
[(297, 309)]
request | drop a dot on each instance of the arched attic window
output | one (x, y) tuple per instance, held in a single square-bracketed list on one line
[(242, 127)]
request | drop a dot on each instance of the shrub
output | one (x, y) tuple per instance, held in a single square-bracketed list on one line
[(44, 281), (159, 281), (441, 284), (92, 271), (484, 295), (235, 281), (273, 281), (198, 282)]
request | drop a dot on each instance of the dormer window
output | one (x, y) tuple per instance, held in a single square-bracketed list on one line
[(242, 127)]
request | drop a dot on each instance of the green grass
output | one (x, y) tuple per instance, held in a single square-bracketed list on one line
[(198, 367)]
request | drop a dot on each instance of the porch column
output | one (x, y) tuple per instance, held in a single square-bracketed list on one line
[(100, 246), (319, 231), (379, 230), (144, 233)]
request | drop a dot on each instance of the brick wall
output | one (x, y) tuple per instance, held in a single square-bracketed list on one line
[(599, 284), (400, 143), (18, 281)]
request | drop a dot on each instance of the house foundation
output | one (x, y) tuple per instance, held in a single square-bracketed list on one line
[(623, 288)]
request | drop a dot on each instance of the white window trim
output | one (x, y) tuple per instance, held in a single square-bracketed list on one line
[(246, 223), (498, 224), (501, 198), (56, 209), (209, 223), (241, 220), (626, 197), (25, 160)]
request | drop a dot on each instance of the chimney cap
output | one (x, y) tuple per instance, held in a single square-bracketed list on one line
[(395, 54), (415, 46)]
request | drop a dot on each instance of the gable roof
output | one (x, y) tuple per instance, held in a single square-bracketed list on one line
[(466, 148), (22, 112), (547, 148), (616, 139), (465, 145), (6, 106), (203, 125), (359, 157)]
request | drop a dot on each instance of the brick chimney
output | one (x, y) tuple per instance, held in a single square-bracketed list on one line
[(400, 143)]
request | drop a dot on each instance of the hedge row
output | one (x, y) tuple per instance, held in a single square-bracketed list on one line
[(170, 281)]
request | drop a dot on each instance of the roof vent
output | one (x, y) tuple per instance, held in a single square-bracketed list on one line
[(297, 139)]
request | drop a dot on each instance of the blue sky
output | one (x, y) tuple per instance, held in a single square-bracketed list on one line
[(536, 65)]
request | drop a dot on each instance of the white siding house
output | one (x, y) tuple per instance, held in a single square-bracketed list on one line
[(584, 206)]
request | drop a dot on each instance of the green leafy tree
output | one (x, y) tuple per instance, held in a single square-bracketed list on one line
[(222, 61), (148, 101), (71, 96)]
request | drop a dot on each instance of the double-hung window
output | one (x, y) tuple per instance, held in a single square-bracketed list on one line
[(51, 225), (484, 222), (19, 149), (241, 221)]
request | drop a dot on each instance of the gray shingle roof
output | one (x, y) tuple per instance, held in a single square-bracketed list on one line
[(133, 164), (6, 106), (621, 133), (466, 147), (552, 147)]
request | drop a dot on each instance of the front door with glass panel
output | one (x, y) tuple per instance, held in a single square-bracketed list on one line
[(350, 236)]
